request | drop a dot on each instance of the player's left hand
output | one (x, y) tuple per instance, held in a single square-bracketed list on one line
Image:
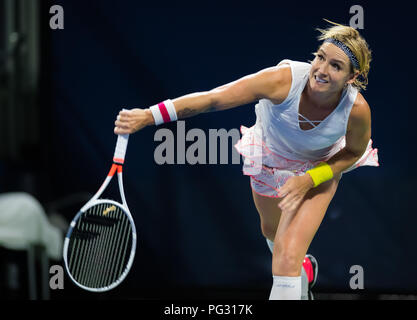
[(293, 192)]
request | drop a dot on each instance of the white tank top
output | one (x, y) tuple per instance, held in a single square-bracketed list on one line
[(280, 127)]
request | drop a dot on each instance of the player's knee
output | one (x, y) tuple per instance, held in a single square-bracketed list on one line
[(285, 261)]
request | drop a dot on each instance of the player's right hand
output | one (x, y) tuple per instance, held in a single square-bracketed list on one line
[(130, 121)]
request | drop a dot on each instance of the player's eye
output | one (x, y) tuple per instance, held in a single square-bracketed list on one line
[(336, 66)]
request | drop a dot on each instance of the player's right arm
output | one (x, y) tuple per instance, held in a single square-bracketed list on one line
[(270, 83)]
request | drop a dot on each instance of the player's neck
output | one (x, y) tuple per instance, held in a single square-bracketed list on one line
[(322, 100)]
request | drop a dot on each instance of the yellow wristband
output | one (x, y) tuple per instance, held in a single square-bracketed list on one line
[(321, 173)]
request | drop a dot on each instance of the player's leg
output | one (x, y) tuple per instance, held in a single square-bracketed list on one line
[(293, 237), (270, 214)]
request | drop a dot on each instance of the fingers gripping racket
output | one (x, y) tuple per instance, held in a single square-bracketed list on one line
[(101, 241)]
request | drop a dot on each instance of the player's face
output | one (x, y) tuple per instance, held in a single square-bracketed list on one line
[(331, 69)]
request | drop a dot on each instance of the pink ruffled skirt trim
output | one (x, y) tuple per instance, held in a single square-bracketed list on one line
[(269, 171)]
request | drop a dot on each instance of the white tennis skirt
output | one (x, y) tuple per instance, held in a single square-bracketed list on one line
[(269, 171)]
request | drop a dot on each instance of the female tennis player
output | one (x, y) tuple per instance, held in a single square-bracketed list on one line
[(312, 125)]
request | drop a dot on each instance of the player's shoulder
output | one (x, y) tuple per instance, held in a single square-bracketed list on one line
[(360, 106), (280, 73), (361, 112), (279, 79)]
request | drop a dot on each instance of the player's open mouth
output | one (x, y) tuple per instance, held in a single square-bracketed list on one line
[(319, 80)]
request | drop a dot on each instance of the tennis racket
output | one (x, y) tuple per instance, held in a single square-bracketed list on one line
[(101, 241)]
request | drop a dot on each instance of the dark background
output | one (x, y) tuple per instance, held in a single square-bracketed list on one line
[(198, 229)]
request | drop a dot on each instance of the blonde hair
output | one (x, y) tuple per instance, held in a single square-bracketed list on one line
[(356, 43)]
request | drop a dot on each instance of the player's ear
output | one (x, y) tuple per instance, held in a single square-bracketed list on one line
[(352, 77)]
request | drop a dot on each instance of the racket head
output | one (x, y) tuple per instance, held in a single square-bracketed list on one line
[(100, 245)]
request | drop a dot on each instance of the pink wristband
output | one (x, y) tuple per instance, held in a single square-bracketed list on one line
[(164, 112)]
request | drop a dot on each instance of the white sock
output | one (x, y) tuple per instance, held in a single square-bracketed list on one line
[(304, 285), (286, 288), (304, 279)]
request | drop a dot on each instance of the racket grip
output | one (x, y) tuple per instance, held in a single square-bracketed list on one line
[(121, 146)]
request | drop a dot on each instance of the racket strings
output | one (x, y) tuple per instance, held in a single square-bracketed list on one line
[(98, 248)]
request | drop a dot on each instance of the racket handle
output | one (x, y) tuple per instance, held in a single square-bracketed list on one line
[(121, 146)]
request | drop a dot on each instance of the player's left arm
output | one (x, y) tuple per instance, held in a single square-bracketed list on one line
[(358, 134)]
